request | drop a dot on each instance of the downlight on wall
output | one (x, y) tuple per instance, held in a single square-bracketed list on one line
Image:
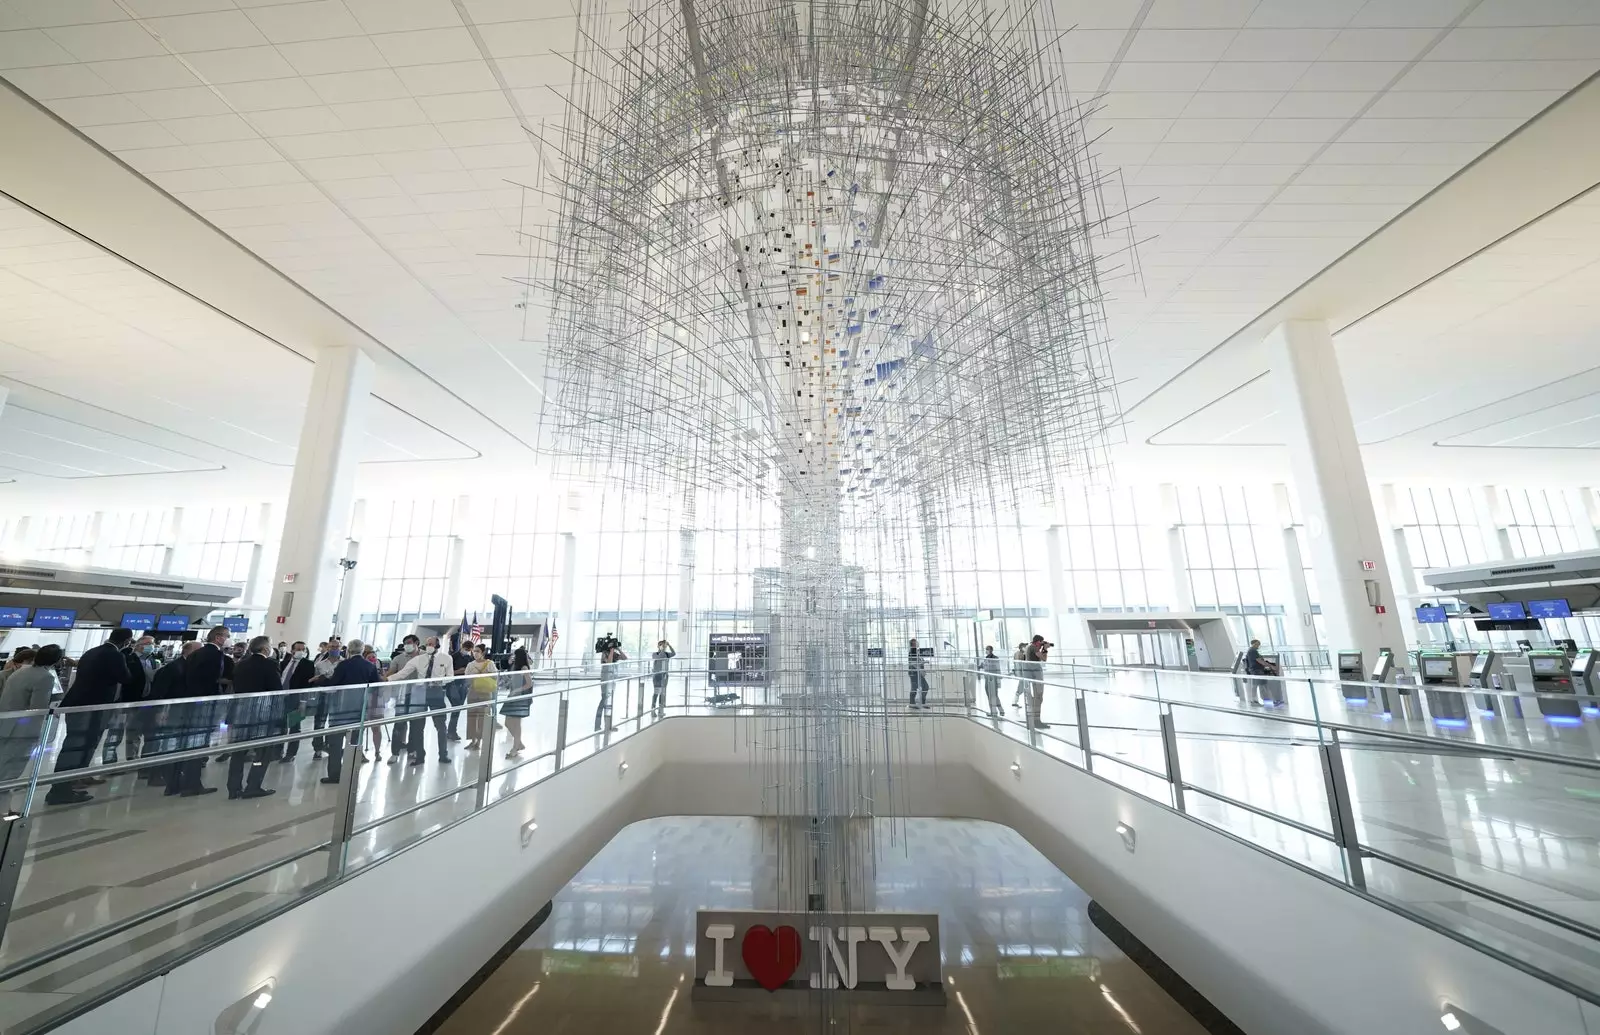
[(1130, 836), (1454, 1018), (243, 1017)]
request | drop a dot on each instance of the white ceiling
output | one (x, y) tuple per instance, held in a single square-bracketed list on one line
[(372, 150)]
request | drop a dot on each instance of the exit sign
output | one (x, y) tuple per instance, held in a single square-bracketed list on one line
[(1369, 565)]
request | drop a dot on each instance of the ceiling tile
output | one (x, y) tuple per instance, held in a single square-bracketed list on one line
[(162, 8), (179, 104), (238, 152), (1321, 104), (1534, 12), (1541, 75), (209, 129), (97, 111), (498, 156), (1451, 75), (359, 187), (1275, 153), (1417, 104), (487, 131), (180, 181), (1193, 130), (323, 57), (1281, 130), (248, 64), (160, 159), (350, 87), (1409, 13), (1279, 44), (1199, 14), (399, 111), (1336, 76), (1192, 154), (1144, 105), (261, 173), (1304, 14), (521, 38), (459, 107), (146, 73), (448, 78), (106, 41), (320, 145), (290, 122), (1090, 14), (1254, 75), (1222, 104), (30, 48), (343, 168), (270, 94), (1138, 131), (549, 69), (1178, 44), (1379, 44), (132, 135), (1510, 104), (296, 23), (438, 159), (403, 15), (59, 12), (1481, 44), (216, 30), (399, 138), (427, 46)]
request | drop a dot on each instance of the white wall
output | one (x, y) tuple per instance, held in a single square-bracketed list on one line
[(1275, 949)]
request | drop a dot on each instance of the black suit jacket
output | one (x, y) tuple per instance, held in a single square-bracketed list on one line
[(168, 682), (304, 672), (255, 674), (101, 671), (134, 689), (202, 672)]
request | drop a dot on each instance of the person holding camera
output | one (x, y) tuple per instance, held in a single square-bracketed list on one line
[(1038, 654), (915, 665), (611, 655)]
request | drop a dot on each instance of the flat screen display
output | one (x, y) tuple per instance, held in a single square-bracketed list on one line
[(1545, 666), (1549, 609), (1507, 612), (172, 623), (138, 622), (54, 618), (1438, 667), (1431, 615), (12, 617), (236, 624)]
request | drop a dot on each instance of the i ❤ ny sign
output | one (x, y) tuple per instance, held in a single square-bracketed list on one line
[(743, 954)]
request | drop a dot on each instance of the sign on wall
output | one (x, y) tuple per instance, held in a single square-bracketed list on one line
[(743, 954)]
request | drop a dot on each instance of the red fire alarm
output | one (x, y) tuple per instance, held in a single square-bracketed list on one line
[(1380, 609)]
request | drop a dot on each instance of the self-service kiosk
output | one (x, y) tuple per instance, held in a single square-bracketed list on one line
[(1586, 677), (1253, 689), (1488, 674), (1387, 693), (1552, 676), (1271, 690), (1353, 672), (1440, 675)]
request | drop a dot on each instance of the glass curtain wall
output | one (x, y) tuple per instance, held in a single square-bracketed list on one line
[(1233, 567)]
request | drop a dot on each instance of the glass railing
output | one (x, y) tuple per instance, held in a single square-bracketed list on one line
[(1464, 809), (118, 864)]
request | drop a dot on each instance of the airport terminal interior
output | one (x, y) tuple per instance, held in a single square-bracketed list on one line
[(969, 516)]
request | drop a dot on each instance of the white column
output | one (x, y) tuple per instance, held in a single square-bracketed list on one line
[(171, 550), (1492, 521), (1069, 632), (685, 642), (1300, 627), (18, 547), (95, 551), (346, 620), (1177, 557), (1358, 604), (1585, 518), (306, 587), (567, 628)]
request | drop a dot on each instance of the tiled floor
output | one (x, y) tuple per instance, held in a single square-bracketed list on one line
[(616, 953)]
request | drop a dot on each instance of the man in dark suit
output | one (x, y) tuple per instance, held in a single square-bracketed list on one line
[(296, 673), (102, 671), (166, 685), (203, 672), (353, 675), (253, 718)]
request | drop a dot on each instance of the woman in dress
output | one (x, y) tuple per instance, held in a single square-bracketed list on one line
[(481, 684), (516, 707)]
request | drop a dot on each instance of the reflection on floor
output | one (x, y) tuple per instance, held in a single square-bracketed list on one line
[(1020, 952)]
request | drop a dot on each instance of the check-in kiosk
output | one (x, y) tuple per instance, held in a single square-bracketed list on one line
[(1586, 676), (1271, 690), (1488, 674), (1254, 689), (1387, 693), (1440, 676), (1552, 675), (1353, 672)]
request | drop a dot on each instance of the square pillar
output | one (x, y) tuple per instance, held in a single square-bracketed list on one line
[(1358, 600), (305, 588)]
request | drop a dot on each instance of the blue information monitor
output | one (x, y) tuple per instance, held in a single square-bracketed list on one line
[(1549, 609), (13, 617), (54, 618), (1431, 615), (236, 624), (138, 622), (1511, 612), (172, 623)]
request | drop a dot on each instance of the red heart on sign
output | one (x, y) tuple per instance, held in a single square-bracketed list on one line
[(771, 956)]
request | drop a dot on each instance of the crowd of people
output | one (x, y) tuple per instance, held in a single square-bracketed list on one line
[(272, 691), (1027, 665)]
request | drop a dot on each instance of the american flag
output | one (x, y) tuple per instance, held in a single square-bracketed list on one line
[(550, 644), (476, 632)]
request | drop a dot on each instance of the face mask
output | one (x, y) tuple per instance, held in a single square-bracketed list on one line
[(411, 648), (434, 649), (299, 654), (147, 651)]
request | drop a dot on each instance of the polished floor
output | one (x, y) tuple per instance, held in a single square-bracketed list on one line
[(616, 954)]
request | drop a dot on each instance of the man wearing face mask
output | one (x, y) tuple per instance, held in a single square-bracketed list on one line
[(296, 674), (436, 666), (402, 656)]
